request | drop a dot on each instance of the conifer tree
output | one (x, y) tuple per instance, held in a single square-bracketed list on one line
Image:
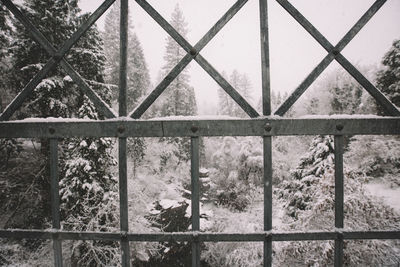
[(179, 98), (87, 188), (388, 79), (137, 70), (138, 77), (5, 37)]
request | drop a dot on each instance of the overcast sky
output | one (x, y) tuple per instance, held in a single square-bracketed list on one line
[(293, 52)]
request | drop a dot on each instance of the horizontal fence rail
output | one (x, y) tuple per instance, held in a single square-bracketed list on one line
[(201, 236), (270, 126)]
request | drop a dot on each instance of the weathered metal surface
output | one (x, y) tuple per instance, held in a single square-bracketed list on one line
[(172, 128), (201, 236), (55, 200), (339, 198), (57, 56)]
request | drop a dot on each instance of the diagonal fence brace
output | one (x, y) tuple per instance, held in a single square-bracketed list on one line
[(193, 52), (334, 53), (57, 56)]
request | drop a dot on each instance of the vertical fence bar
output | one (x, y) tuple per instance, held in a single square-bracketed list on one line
[(339, 199), (194, 151), (267, 140), (122, 157), (265, 69), (55, 201), (267, 199)]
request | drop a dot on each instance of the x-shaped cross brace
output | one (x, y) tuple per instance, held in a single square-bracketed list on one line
[(56, 57), (192, 53), (334, 53)]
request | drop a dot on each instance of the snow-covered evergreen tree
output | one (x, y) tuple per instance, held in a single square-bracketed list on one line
[(87, 188), (309, 201), (51, 97), (5, 37), (388, 80)]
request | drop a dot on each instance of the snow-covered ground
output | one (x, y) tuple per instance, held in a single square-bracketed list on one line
[(390, 195)]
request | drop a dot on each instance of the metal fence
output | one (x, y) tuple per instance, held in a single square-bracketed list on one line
[(263, 125)]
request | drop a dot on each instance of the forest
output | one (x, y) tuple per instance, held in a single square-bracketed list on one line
[(231, 173)]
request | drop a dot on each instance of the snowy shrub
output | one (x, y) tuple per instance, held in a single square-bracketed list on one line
[(9, 148), (238, 253), (374, 156), (309, 198), (237, 170)]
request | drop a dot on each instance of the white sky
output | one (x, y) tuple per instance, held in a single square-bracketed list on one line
[(293, 52)]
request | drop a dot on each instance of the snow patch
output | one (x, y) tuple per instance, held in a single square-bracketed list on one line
[(390, 196)]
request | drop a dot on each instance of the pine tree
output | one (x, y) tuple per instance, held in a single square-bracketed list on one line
[(179, 98), (388, 80), (138, 77), (309, 198), (138, 74)]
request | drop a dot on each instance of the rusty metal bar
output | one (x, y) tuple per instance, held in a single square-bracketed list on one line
[(267, 199), (339, 188), (193, 52), (122, 141), (57, 56), (194, 151), (201, 236), (55, 201), (367, 125), (333, 52)]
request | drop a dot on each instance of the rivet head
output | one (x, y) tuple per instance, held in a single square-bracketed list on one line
[(339, 127), (193, 51), (194, 129), (121, 129), (52, 130), (268, 127)]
